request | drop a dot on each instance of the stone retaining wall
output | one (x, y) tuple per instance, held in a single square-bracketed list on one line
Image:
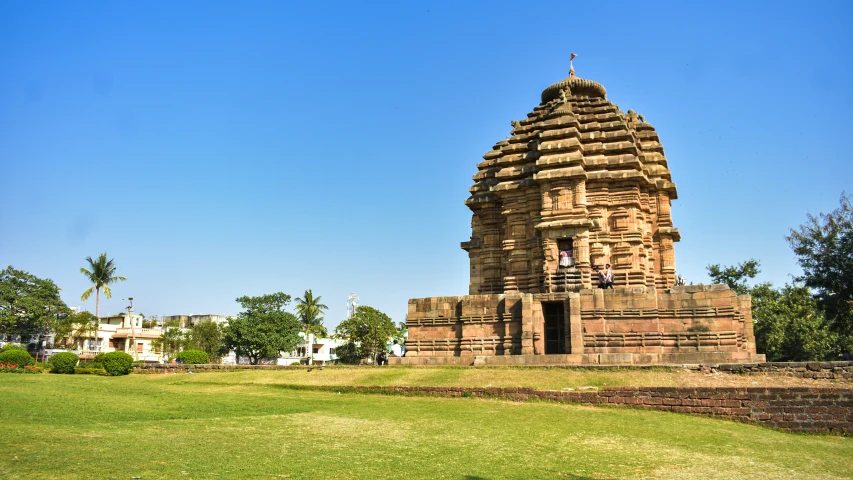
[(839, 371), (842, 371), (811, 410)]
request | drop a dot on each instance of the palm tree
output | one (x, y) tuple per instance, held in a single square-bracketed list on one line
[(102, 275), (309, 309)]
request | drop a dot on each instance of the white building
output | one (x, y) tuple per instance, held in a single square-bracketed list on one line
[(121, 333)]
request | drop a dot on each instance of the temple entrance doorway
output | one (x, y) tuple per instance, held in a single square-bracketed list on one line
[(555, 327)]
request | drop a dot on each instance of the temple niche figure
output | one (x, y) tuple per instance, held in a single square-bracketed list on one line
[(579, 187)]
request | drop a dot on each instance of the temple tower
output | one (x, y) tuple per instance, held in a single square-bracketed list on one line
[(578, 184), (580, 176)]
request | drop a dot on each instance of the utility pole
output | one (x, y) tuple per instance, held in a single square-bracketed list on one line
[(44, 329), (132, 329)]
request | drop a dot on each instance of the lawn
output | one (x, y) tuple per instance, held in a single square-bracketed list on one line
[(251, 425), (553, 378)]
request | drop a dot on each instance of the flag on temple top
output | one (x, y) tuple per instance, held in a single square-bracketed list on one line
[(572, 57)]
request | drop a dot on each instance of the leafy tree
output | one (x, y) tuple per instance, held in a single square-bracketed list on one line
[(824, 249), (101, 274), (263, 328), (171, 341), (27, 303), (788, 323), (309, 309), (366, 334), (175, 322), (74, 326), (206, 336), (789, 326), (735, 277), (12, 346)]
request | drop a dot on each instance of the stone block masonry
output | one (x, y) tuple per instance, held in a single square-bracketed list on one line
[(626, 326), (808, 410), (578, 189)]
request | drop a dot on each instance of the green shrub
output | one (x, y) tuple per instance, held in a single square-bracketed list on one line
[(89, 371), (116, 363), (193, 357), (63, 362), (90, 364), (17, 357), (12, 346)]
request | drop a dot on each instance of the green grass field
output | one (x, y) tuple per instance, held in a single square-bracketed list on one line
[(251, 425)]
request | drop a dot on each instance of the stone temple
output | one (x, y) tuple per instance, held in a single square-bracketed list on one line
[(578, 179)]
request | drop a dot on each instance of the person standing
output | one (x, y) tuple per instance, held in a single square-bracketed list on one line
[(601, 277), (608, 277)]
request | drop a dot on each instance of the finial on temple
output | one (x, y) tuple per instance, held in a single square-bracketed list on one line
[(572, 67)]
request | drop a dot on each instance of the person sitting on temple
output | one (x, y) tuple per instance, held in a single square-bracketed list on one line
[(564, 259), (608, 277), (679, 282), (396, 349)]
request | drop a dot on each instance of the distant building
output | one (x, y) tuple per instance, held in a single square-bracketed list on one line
[(121, 333), (324, 351), (187, 321)]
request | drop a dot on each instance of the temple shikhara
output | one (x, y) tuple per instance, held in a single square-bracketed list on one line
[(578, 186)]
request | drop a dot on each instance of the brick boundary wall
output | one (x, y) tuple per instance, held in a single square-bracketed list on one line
[(810, 410), (840, 371)]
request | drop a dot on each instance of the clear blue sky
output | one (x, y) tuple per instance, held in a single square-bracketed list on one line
[(221, 149)]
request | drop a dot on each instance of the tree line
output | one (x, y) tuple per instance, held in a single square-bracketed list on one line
[(31, 306), (810, 318), (264, 329)]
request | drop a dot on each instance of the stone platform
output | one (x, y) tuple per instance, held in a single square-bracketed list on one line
[(624, 326), (603, 359)]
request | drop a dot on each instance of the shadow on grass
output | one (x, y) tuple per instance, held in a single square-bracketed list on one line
[(567, 475)]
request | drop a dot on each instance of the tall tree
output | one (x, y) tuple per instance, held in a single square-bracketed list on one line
[(207, 337), (789, 326), (309, 309), (27, 303), (102, 274), (263, 328), (824, 249), (366, 334), (735, 277), (75, 327), (172, 341)]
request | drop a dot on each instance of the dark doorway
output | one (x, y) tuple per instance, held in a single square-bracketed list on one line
[(555, 327)]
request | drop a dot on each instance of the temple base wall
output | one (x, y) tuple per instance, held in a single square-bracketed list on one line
[(626, 326)]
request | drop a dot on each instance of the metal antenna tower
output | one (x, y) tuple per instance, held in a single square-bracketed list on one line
[(352, 304)]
